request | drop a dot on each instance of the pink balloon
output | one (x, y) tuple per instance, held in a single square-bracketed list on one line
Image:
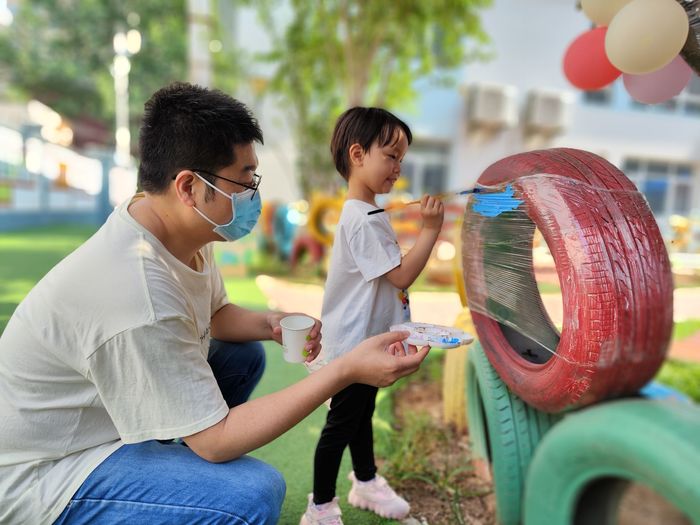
[(660, 85)]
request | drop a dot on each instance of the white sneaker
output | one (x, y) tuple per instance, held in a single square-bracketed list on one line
[(376, 495), (324, 514)]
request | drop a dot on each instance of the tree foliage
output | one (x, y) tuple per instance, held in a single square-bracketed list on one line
[(336, 54), (60, 52)]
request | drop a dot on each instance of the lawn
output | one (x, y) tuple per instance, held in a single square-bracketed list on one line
[(28, 255), (292, 454)]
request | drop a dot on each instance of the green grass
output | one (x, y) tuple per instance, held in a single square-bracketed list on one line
[(684, 329), (683, 376), (293, 453), (28, 255)]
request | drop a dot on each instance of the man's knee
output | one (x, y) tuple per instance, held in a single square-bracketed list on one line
[(257, 359), (272, 491), (264, 491), (242, 358)]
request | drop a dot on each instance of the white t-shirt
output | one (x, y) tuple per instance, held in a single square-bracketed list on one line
[(110, 347), (359, 301)]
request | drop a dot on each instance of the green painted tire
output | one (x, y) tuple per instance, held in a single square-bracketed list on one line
[(504, 432), (582, 468)]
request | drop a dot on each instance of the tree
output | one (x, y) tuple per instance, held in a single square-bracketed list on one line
[(336, 54), (60, 52)]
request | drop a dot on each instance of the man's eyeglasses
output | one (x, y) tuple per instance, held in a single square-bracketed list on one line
[(253, 186)]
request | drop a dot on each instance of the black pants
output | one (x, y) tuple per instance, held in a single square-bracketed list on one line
[(349, 423)]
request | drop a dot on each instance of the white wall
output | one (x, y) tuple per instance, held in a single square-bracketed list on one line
[(529, 39)]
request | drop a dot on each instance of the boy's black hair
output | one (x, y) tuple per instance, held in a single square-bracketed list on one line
[(363, 126), (187, 126)]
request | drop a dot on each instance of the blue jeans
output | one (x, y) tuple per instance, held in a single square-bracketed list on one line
[(166, 483)]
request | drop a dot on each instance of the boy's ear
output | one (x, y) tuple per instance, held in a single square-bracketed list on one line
[(356, 154)]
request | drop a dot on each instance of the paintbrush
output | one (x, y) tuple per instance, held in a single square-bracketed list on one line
[(446, 195)]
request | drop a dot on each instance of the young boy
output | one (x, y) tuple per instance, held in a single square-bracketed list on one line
[(365, 294)]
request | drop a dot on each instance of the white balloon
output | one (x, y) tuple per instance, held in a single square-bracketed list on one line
[(645, 35), (601, 12)]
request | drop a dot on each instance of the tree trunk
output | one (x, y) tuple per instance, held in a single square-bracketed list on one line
[(691, 49)]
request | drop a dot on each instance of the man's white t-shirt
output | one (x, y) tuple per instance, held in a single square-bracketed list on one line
[(110, 347), (358, 301)]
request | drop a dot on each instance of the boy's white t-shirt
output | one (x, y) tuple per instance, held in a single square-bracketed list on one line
[(110, 347), (358, 300)]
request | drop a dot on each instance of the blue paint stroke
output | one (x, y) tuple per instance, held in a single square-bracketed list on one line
[(493, 204)]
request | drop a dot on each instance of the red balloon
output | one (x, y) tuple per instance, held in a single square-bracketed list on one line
[(585, 63)]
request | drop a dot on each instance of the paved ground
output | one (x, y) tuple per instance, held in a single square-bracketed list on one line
[(443, 307)]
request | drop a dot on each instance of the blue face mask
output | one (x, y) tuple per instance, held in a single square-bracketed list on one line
[(245, 212)]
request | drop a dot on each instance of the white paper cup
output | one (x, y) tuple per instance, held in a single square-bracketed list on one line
[(295, 329)]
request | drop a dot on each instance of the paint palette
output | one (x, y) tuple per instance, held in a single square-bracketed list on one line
[(433, 335)]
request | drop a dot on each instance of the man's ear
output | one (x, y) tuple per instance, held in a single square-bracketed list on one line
[(356, 154), (184, 187)]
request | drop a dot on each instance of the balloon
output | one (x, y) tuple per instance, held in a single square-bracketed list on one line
[(661, 84), (645, 35), (602, 11), (585, 63)]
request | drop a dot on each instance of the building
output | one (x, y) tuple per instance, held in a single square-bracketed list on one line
[(520, 100)]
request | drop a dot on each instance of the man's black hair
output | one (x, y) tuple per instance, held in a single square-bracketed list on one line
[(187, 126)]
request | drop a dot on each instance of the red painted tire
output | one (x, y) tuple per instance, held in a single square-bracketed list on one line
[(613, 269)]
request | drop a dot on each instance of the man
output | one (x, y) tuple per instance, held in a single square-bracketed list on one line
[(131, 342)]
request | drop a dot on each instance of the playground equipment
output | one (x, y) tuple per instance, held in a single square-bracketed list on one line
[(540, 419), (584, 466), (613, 269), (504, 432)]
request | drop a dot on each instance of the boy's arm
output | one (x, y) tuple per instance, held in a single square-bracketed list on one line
[(414, 261), (259, 421)]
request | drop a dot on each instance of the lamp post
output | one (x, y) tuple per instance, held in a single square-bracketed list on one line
[(125, 45)]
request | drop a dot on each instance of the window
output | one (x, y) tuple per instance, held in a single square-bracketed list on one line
[(11, 154), (667, 186), (434, 176), (425, 169), (690, 96), (599, 97)]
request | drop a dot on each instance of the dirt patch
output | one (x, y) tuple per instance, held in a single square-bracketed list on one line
[(454, 495)]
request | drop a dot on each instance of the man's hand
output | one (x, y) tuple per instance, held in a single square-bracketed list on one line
[(378, 361), (313, 345)]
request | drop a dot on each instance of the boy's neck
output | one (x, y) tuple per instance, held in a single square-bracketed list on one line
[(360, 192)]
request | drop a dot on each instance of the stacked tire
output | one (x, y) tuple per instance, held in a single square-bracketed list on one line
[(527, 375)]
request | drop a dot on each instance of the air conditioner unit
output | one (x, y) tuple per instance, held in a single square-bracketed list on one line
[(491, 106), (547, 112)]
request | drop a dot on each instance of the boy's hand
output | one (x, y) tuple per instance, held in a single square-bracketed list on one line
[(313, 345), (433, 212)]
